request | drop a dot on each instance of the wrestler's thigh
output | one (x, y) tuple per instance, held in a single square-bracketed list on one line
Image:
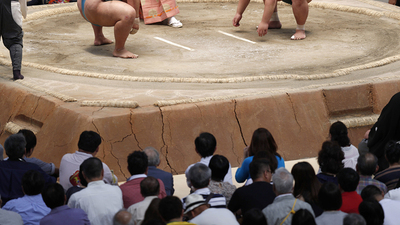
[(108, 13)]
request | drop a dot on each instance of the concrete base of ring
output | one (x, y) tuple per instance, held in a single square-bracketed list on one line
[(228, 87)]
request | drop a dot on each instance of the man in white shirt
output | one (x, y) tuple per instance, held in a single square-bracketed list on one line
[(206, 145), (88, 145), (99, 200)]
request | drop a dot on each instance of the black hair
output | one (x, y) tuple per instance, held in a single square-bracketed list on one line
[(89, 141), (15, 146), (205, 144), (152, 212), (264, 154), (149, 186), (306, 182), (219, 166), (370, 191), (257, 168), (367, 163), (254, 216), (348, 179), (330, 197), (303, 217), (170, 208), (330, 157), (137, 162), (53, 195), (30, 139), (338, 133), (372, 212), (262, 140), (392, 152), (91, 167), (32, 182)]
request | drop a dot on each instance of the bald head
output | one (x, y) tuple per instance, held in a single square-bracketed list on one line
[(367, 164), (153, 156), (123, 217)]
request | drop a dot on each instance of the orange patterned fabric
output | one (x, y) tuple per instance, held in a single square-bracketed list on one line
[(155, 11)]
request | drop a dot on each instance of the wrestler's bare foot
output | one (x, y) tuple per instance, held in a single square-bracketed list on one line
[(123, 53), (299, 35), (102, 41), (274, 25)]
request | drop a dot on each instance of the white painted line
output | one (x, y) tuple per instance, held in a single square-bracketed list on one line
[(172, 43), (231, 35)]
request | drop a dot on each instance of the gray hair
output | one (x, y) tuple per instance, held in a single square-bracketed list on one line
[(120, 218), (153, 156), (15, 146), (199, 175), (283, 181), (354, 219)]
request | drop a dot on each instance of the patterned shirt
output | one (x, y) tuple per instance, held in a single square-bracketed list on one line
[(224, 188), (389, 176), (367, 180)]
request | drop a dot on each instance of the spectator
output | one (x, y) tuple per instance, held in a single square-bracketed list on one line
[(99, 200), (201, 214), (1, 152), (154, 222), (54, 197), (171, 211), (330, 200), (149, 189), (123, 217), (30, 207), (200, 176), (280, 211), (391, 175), (391, 208), (338, 133), (254, 216), (348, 182), (31, 141), (137, 166), (9, 217), (367, 165), (219, 166), (262, 140), (89, 142), (303, 217), (154, 160), (354, 219), (330, 160), (13, 169), (372, 212), (152, 213), (82, 184), (259, 194), (206, 144), (306, 185)]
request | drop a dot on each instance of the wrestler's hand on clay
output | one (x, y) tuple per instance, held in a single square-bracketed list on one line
[(262, 29), (236, 20)]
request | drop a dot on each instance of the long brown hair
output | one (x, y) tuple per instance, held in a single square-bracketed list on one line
[(262, 140)]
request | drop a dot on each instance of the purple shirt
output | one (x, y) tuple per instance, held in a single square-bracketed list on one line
[(64, 215)]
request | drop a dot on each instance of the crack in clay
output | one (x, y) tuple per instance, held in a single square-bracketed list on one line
[(164, 145), (112, 153), (201, 113), (37, 105), (238, 122), (233, 149), (133, 133), (294, 111), (326, 103), (371, 97)]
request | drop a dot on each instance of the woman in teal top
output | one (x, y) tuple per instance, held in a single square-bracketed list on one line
[(262, 140)]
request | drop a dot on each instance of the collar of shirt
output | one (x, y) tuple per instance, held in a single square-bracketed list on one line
[(283, 195), (96, 183), (202, 191), (83, 154), (137, 176), (60, 208), (206, 160)]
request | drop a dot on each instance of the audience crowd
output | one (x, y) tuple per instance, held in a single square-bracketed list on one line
[(349, 188)]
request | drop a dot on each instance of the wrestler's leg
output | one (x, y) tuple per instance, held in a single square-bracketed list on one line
[(269, 7), (274, 22), (99, 38), (121, 33), (136, 5), (16, 60), (300, 11)]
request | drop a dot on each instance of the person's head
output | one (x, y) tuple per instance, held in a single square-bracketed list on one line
[(338, 132), (330, 197), (170, 208), (195, 204), (254, 216), (303, 217), (372, 192), (354, 219), (372, 212), (199, 175), (152, 211), (32, 182), (219, 166), (259, 170), (153, 156), (330, 157), (149, 186), (306, 182), (262, 140), (367, 164), (30, 139), (137, 163), (53, 195), (15, 146), (392, 152), (154, 222), (264, 154), (123, 217), (348, 179), (283, 181), (89, 141), (92, 169), (205, 144)]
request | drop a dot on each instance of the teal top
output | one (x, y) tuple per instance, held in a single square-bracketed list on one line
[(243, 172)]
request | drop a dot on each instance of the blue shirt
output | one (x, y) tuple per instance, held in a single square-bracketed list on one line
[(243, 172), (64, 215), (30, 207)]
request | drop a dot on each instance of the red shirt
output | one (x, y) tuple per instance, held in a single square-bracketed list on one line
[(350, 202)]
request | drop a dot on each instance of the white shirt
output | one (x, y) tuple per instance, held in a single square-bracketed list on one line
[(70, 164), (393, 194), (100, 201), (350, 156), (391, 208), (215, 216), (215, 201), (138, 210), (206, 161)]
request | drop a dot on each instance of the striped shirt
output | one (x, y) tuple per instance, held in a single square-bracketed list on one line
[(389, 176), (216, 201)]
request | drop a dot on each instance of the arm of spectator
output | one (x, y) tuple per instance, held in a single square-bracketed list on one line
[(242, 173), (281, 162), (162, 194)]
